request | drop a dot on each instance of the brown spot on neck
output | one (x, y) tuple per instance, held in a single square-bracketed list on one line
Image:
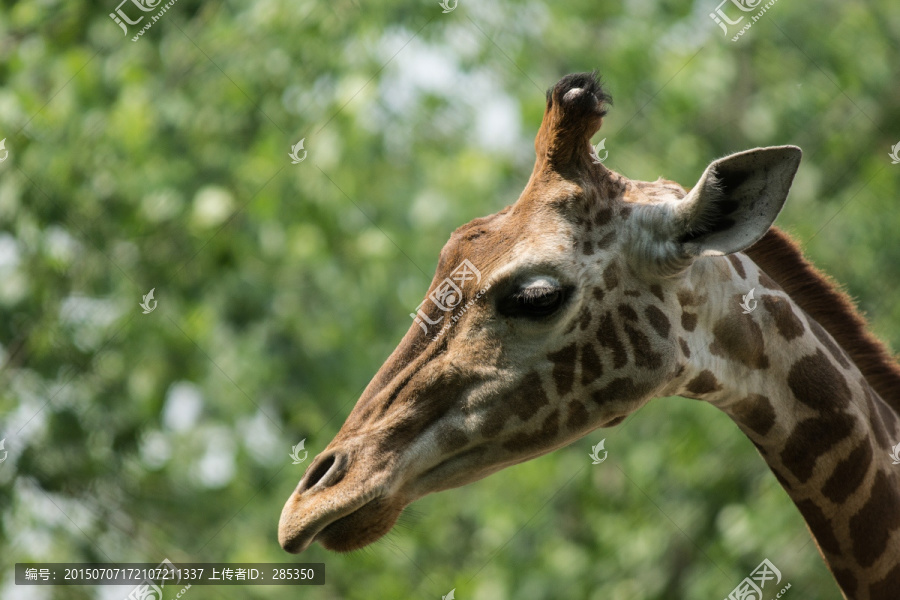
[(644, 356), (871, 527), (826, 303), (786, 322), (818, 384), (627, 313), (738, 267), (811, 438), (849, 473), (737, 337), (829, 344), (704, 383), (847, 581), (754, 412), (820, 526), (687, 298), (658, 320), (886, 589)]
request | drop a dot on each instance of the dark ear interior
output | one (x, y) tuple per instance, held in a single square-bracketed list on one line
[(736, 200), (721, 213)]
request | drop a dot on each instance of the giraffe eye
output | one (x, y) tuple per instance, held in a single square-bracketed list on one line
[(538, 300)]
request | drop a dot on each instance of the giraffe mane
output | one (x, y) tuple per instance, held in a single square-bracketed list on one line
[(826, 301)]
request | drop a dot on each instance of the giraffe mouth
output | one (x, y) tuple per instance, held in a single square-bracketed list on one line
[(361, 527), (352, 515), (338, 524), (300, 526)]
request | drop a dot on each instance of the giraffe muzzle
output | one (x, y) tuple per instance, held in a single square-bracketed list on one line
[(299, 525), (341, 508)]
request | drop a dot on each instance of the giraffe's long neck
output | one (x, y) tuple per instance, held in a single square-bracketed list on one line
[(825, 434)]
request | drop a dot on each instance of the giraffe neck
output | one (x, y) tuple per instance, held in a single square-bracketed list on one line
[(824, 432)]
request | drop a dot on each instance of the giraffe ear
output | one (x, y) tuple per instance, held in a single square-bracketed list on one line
[(736, 201)]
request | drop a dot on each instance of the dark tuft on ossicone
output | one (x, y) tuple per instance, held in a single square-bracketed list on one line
[(592, 96)]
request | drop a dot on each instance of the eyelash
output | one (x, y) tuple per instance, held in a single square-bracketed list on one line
[(533, 302)]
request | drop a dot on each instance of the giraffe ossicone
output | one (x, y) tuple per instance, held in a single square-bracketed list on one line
[(597, 294)]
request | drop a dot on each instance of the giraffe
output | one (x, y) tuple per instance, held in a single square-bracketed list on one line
[(593, 294)]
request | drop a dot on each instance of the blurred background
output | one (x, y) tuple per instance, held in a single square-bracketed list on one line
[(163, 164)]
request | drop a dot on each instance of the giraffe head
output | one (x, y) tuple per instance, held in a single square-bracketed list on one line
[(543, 322)]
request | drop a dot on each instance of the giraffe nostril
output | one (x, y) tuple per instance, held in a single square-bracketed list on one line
[(327, 469)]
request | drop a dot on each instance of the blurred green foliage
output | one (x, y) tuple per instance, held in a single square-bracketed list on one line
[(281, 288)]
